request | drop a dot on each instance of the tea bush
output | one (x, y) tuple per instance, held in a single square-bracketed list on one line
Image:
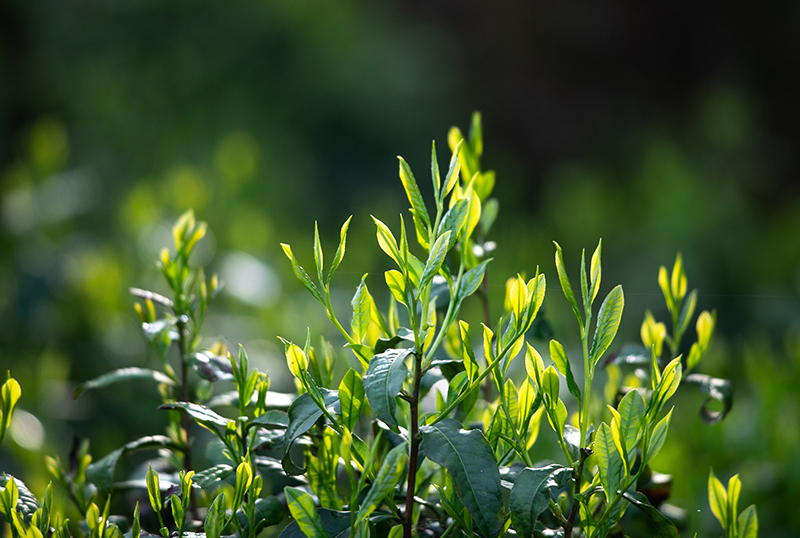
[(427, 433)]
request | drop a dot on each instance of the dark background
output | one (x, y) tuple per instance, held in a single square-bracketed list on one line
[(658, 126)]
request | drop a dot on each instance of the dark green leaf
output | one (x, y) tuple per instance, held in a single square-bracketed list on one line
[(333, 522), (210, 366), (351, 396), (718, 389), (664, 527), (303, 413), (27, 504), (403, 335), (607, 324), (101, 472), (269, 511), (383, 380), (123, 374), (468, 457), (530, 497), (273, 417), (212, 475)]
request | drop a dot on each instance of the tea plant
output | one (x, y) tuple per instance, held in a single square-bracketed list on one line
[(364, 455)]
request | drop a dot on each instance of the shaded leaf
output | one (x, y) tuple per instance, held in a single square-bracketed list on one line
[(333, 522), (303, 413), (273, 417), (609, 462), (530, 497), (559, 357), (664, 527), (388, 475), (468, 457), (123, 374), (207, 478), (351, 396), (269, 511), (101, 472), (383, 380)]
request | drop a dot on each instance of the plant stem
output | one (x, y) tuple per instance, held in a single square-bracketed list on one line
[(186, 422), (487, 319), (414, 440), (575, 504)]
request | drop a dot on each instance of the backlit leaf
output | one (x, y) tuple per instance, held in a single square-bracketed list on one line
[(383, 380), (607, 324)]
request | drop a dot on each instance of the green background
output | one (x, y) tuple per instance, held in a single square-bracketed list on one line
[(661, 127)]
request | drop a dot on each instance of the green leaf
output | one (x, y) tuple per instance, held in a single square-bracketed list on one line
[(748, 523), (301, 274), (9, 396), (631, 410), (718, 499), (659, 436), (268, 512), (19, 496), (565, 285), (273, 417), (470, 282), (388, 476), (123, 374), (215, 519), (202, 414), (469, 459), (435, 259), (454, 220), (663, 526), (596, 271), (304, 512), (559, 357), (412, 191), (362, 314), (452, 171), (530, 496), (397, 285), (334, 523), (388, 243), (489, 211), (351, 396), (101, 472), (609, 462), (607, 324), (318, 258), (337, 259), (550, 384), (303, 414), (720, 390), (687, 311), (382, 382), (153, 489), (213, 475), (436, 176)]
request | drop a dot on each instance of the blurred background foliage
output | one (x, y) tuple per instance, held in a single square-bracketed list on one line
[(660, 127)]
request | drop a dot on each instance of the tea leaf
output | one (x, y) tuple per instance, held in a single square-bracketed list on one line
[(607, 324), (351, 396), (470, 281), (304, 512), (303, 414), (101, 472), (318, 258), (631, 410), (383, 380), (334, 523), (559, 357), (596, 272), (123, 374), (301, 274), (663, 526), (215, 518), (454, 220), (435, 259), (337, 258), (268, 512), (413, 193), (389, 474), (609, 462), (718, 499), (565, 285), (659, 436), (468, 457), (211, 476), (748, 523), (202, 414), (530, 496), (361, 311)]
